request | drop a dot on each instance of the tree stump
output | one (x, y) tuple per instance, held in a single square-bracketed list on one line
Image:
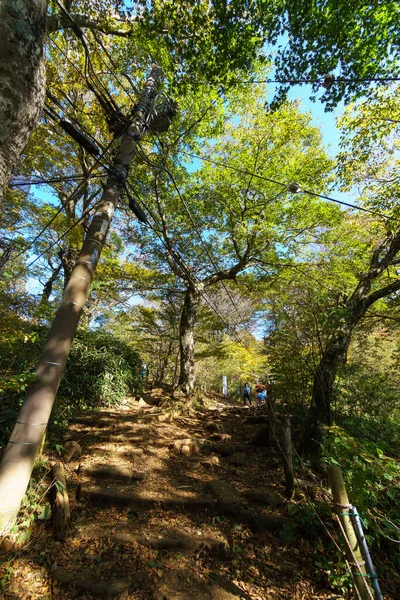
[(60, 504)]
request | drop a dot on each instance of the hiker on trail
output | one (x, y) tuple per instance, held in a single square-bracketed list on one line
[(246, 393), (260, 394)]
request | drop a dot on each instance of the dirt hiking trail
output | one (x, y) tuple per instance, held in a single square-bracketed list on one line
[(169, 507)]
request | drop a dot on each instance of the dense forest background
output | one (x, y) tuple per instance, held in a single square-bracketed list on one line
[(264, 256)]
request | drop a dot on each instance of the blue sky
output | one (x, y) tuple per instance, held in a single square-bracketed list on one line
[(325, 121)]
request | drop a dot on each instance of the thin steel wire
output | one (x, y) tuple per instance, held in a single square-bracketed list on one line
[(285, 185)]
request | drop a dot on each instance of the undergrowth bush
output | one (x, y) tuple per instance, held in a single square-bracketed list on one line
[(100, 371), (373, 484)]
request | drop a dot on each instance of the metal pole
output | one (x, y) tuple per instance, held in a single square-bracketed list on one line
[(26, 437), (365, 551)]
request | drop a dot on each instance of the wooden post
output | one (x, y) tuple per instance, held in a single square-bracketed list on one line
[(60, 504), (353, 551), (271, 421), (41, 447), (288, 458)]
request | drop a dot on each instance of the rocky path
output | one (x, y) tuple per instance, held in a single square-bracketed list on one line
[(167, 507)]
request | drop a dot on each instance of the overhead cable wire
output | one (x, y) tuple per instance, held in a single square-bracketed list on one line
[(96, 162), (73, 65), (189, 274), (198, 233), (44, 181), (73, 119), (62, 236), (304, 81), (285, 185), (97, 37), (105, 103)]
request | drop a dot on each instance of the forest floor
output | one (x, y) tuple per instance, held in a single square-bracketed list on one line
[(157, 518)]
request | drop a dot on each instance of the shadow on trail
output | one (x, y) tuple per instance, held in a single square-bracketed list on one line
[(187, 528)]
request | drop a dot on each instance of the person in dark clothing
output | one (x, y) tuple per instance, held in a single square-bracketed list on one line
[(246, 393)]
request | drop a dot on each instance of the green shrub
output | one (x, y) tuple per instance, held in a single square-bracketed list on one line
[(100, 371)]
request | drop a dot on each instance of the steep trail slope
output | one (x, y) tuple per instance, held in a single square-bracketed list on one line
[(168, 508)]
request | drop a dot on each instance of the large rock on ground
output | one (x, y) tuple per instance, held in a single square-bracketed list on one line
[(189, 446), (228, 449), (197, 543), (254, 419), (71, 451), (220, 437), (266, 497), (228, 500), (112, 472)]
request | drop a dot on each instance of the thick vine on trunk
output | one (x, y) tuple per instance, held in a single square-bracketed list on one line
[(187, 378), (22, 78)]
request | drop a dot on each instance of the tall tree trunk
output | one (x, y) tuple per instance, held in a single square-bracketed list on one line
[(6, 249), (175, 374), (187, 378), (68, 259), (324, 379), (164, 360), (48, 289), (22, 78)]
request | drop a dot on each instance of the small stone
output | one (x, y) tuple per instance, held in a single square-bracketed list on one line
[(72, 450), (6, 545), (211, 462), (186, 450)]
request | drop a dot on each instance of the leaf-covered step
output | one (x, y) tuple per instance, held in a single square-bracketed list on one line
[(109, 588), (130, 498), (111, 472)]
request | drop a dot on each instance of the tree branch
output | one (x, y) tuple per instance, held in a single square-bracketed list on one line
[(383, 292), (227, 273), (57, 22)]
